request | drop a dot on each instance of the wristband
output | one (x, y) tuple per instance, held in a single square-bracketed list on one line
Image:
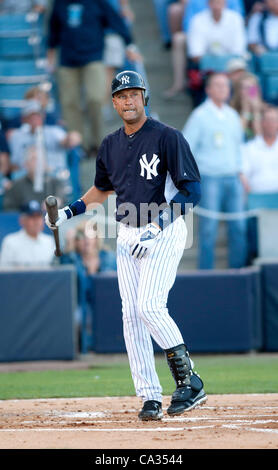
[(76, 208)]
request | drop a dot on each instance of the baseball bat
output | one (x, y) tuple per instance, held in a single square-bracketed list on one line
[(52, 210)]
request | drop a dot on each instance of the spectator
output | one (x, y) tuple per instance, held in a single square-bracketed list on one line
[(29, 246), (260, 156), (87, 252), (85, 249), (49, 106), (179, 40), (216, 30), (247, 101), (215, 135), (262, 32), (24, 189), (57, 145), (236, 68), (78, 30), (196, 6), (12, 7), (260, 169)]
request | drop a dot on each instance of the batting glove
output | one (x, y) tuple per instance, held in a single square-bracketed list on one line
[(144, 241), (62, 216)]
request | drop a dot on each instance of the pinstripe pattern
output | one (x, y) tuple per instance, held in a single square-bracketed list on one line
[(144, 286)]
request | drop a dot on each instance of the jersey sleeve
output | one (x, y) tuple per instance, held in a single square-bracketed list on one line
[(102, 181), (180, 162)]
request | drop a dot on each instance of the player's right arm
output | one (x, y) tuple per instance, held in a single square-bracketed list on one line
[(90, 199)]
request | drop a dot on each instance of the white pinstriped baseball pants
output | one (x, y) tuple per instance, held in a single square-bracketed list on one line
[(144, 286)]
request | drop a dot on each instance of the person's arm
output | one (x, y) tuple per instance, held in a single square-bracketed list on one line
[(253, 35), (91, 199), (96, 195)]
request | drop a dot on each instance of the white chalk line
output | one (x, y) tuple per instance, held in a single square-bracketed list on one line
[(161, 429), (106, 430), (83, 415), (234, 426)]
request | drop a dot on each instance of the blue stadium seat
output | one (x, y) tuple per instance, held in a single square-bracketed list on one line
[(267, 67), (19, 47), (22, 36), (263, 201), (16, 77), (12, 23), (270, 88), (268, 63), (215, 63), (21, 68)]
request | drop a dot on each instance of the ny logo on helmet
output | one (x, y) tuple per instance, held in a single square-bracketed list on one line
[(125, 79), (150, 167)]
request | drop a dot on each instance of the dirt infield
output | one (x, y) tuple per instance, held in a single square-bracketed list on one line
[(223, 422)]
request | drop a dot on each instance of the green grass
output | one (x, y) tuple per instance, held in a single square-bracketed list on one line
[(221, 374)]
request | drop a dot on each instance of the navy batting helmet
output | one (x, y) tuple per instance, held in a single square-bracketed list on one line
[(129, 79)]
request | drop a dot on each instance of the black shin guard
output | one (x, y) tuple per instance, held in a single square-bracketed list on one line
[(180, 365), (189, 391), (181, 368)]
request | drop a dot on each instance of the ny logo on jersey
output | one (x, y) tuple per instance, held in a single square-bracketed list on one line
[(125, 79), (150, 167)]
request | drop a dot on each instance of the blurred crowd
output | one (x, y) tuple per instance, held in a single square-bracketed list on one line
[(224, 55), (232, 129), (215, 49)]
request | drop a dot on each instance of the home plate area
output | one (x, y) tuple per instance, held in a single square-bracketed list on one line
[(223, 422)]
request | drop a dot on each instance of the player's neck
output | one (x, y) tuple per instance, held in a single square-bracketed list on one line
[(131, 128)]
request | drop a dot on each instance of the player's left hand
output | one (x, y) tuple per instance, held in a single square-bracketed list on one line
[(144, 241)]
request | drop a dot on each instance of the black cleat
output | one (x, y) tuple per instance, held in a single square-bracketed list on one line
[(152, 410), (185, 399)]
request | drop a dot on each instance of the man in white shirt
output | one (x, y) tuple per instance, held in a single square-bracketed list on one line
[(216, 31), (260, 169), (54, 140), (260, 156), (214, 133), (28, 247)]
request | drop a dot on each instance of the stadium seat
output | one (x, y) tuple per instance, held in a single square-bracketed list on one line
[(270, 88), (216, 63), (21, 36), (267, 68), (16, 77), (263, 201), (13, 23), (18, 47), (268, 63)]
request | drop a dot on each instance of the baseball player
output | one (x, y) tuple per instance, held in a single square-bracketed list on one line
[(150, 167)]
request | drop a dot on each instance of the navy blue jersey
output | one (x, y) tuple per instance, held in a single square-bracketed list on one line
[(150, 166)]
